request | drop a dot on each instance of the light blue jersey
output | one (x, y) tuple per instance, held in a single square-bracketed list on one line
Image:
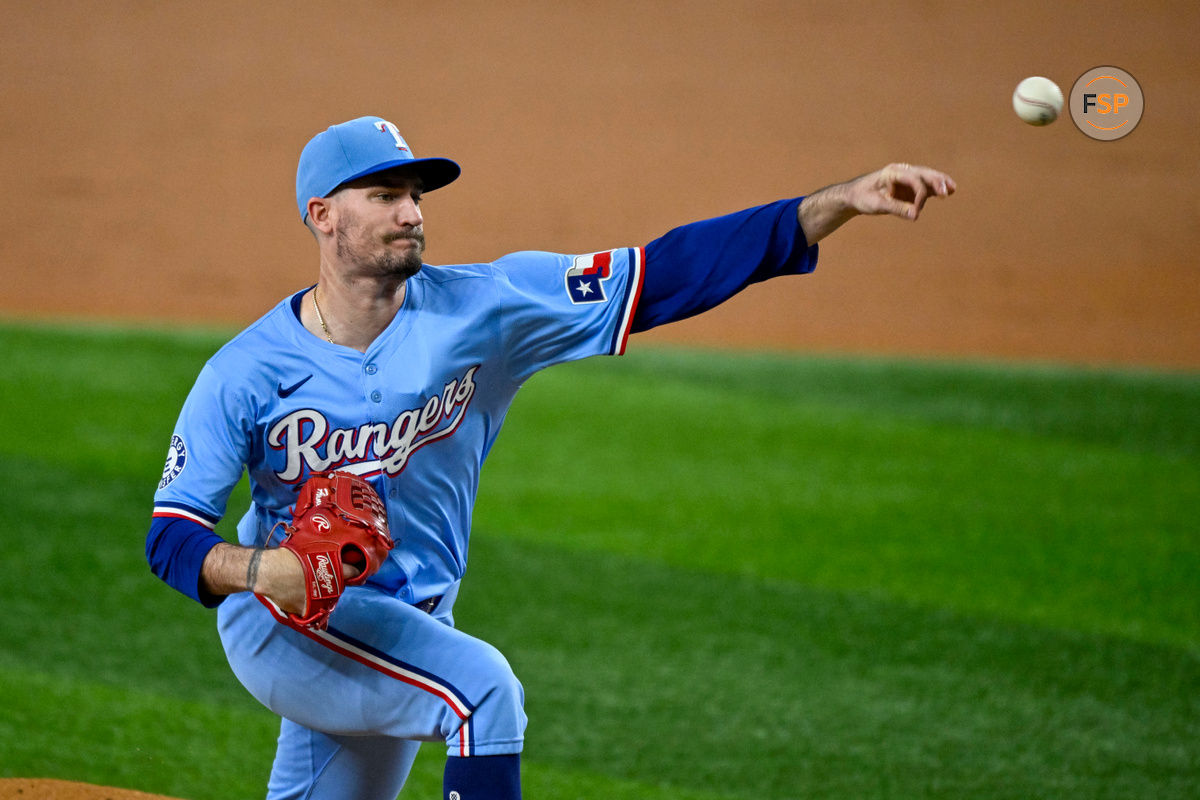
[(416, 414)]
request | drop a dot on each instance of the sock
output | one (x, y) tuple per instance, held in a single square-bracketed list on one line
[(482, 778)]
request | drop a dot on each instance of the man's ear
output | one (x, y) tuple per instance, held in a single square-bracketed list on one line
[(319, 209)]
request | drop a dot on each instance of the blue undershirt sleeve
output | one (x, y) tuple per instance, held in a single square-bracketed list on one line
[(175, 549), (701, 265)]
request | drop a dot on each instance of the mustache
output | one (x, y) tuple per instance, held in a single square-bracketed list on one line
[(417, 235)]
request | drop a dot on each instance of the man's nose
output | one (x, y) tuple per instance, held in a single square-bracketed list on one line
[(409, 213)]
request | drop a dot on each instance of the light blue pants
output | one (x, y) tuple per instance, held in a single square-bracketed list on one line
[(357, 699)]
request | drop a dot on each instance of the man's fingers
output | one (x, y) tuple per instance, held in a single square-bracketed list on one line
[(935, 182), (890, 204), (353, 563), (904, 188), (920, 192)]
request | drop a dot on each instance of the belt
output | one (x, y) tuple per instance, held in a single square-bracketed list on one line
[(428, 605)]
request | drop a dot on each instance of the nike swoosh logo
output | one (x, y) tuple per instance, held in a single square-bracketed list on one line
[(287, 392)]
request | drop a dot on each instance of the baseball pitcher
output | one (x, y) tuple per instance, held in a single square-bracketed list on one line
[(363, 407)]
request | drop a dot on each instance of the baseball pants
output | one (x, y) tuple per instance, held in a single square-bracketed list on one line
[(357, 699)]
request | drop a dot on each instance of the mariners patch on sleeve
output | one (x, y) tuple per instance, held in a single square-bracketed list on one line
[(586, 276), (176, 459)]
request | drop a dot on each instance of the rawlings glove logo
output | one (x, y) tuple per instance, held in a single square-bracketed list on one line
[(323, 575)]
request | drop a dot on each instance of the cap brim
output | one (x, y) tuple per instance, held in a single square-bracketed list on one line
[(434, 173)]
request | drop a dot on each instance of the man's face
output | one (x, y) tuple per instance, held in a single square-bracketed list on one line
[(378, 224)]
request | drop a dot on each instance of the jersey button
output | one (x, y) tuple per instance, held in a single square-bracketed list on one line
[(371, 369), (376, 396)]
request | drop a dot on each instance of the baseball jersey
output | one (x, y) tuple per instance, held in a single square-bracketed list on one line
[(418, 412)]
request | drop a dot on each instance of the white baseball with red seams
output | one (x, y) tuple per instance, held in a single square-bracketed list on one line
[(1037, 100)]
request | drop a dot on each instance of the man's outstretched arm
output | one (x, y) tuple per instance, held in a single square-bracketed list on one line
[(697, 266)]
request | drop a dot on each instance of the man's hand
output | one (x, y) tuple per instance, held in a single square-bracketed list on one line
[(898, 189), (273, 572), (280, 578)]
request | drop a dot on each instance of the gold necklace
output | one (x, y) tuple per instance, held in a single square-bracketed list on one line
[(320, 318)]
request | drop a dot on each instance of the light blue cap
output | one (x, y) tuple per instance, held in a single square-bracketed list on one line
[(360, 147)]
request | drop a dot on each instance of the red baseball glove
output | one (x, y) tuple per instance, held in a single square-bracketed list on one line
[(338, 519)]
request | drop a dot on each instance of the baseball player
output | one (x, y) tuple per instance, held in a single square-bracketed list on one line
[(401, 373)]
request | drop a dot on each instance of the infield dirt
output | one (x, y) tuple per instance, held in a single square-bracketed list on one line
[(152, 161)]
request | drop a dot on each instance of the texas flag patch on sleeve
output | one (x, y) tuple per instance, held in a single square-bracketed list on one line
[(586, 277)]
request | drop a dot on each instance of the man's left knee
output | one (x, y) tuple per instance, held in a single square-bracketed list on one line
[(497, 724)]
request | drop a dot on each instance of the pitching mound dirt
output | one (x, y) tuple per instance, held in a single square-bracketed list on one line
[(36, 789)]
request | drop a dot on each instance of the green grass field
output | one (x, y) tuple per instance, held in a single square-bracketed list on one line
[(719, 577)]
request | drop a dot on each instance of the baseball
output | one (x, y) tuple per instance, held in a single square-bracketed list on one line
[(1037, 100)]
